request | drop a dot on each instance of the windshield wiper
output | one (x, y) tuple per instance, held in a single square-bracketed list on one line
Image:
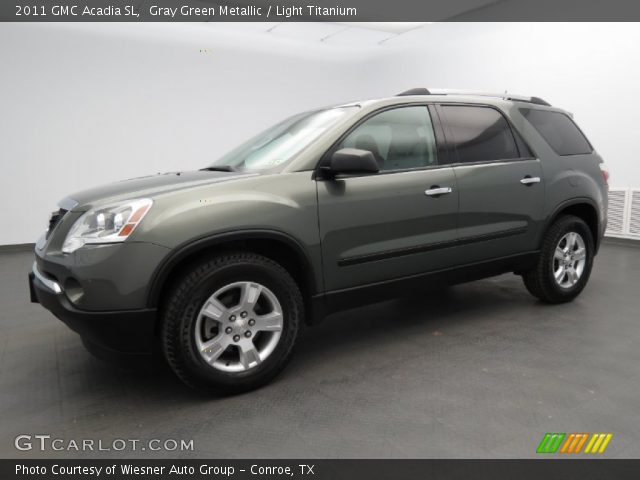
[(219, 168)]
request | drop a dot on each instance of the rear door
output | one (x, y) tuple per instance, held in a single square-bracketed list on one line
[(388, 225), (501, 192)]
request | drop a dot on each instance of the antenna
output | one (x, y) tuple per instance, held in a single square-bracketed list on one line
[(414, 91)]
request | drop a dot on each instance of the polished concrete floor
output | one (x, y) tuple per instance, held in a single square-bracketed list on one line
[(481, 371)]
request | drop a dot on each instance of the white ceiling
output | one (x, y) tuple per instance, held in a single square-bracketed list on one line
[(390, 27), (355, 34)]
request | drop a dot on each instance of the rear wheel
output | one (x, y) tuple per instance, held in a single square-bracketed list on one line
[(564, 264), (231, 322)]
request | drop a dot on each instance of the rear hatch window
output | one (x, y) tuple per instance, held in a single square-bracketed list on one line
[(559, 130)]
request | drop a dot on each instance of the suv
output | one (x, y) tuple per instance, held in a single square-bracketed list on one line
[(216, 269)]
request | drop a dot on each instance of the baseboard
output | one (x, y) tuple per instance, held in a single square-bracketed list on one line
[(18, 247), (630, 242)]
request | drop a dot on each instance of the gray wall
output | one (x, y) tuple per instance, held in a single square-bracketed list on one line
[(81, 105)]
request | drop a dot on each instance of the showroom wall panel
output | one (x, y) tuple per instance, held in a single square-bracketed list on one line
[(82, 105)]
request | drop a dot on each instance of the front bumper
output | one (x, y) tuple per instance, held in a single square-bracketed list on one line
[(118, 331)]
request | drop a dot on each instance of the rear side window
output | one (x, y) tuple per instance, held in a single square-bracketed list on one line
[(560, 132), (480, 134)]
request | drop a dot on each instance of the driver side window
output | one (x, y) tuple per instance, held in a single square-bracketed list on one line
[(399, 139)]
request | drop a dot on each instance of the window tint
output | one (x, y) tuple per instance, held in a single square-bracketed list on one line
[(559, 131), (480, 134), (399, 139)]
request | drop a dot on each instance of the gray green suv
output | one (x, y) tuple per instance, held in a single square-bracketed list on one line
[(216, 269)]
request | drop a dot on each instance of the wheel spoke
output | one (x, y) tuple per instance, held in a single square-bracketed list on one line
[(214, 309), (559, 273), (213, 348), (271, 322), (250, 294), (559, 254), (249, 356), (580, 254), (573, 275), (572, 239)]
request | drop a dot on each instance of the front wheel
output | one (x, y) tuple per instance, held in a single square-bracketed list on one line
[(230, 323), (564, 264)]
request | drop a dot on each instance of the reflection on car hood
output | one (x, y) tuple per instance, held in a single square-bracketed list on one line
[(147, 187)]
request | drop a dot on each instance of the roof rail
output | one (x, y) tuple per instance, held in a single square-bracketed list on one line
[(504, 96)]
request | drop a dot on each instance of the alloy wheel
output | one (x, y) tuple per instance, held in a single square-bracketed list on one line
[(569, 260), (239, 326)]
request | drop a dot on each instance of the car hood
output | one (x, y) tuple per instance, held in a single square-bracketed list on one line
[(149, 186)]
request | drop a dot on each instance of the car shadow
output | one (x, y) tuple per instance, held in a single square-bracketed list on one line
[(430, 311)]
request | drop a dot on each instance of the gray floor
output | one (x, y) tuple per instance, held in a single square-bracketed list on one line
[(483, 371)]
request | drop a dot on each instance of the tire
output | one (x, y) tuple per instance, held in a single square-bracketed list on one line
[(206, 347), (541, 280)]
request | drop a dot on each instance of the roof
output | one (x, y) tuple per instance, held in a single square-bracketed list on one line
[(504, 101)]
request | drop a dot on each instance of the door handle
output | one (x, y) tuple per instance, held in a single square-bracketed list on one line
[(529, 180), (436, 191)]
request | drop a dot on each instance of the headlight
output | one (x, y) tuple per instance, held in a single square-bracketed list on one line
[(110, 224)]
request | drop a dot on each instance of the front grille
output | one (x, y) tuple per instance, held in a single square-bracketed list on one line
[(54, 220)]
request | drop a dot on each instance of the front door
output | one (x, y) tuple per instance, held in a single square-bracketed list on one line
[(394, 223)]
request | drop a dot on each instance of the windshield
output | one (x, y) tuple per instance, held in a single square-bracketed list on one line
[(280, 143)]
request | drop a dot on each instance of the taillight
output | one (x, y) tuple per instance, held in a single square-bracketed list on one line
[(605, 173)]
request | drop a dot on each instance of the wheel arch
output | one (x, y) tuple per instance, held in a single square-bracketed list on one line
[(583, 208), (277, 246)]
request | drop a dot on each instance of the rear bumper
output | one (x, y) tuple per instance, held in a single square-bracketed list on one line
[(119, 332)]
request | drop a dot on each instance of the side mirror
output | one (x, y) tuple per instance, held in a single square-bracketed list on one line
[(352, 160)]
